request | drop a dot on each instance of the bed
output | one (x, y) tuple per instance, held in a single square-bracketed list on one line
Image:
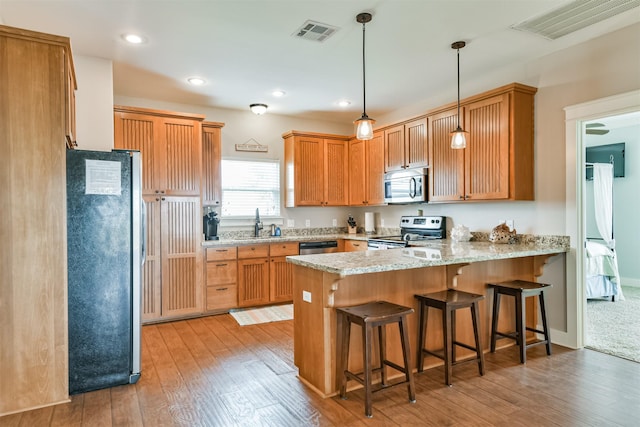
[(603, 279)]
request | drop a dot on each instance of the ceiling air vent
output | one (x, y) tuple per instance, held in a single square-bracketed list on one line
[(574, 16), (315, 31)]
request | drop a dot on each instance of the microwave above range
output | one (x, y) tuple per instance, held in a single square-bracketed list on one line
[(406, 186)]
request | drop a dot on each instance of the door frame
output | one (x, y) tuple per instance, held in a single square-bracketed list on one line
[(575, 228)]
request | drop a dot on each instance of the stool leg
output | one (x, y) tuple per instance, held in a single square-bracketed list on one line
[(382, 341), (521, 330), (406, 353), (475, 316), (453, 335), (344, 354), (494, 319), (367, 335), (446, 322), (545, 327), (424, 312)]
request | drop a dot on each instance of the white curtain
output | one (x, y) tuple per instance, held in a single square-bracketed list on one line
[(603, 201)]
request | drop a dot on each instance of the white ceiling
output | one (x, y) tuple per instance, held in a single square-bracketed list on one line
[(245, 49)]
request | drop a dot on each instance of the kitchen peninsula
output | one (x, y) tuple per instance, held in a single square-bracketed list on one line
[(324, 282)]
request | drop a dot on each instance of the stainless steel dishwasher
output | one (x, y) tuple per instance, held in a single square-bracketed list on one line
[(320, 247)]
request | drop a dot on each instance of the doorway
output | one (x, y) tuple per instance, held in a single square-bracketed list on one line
[(576, 119)]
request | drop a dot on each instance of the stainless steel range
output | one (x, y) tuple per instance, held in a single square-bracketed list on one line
[(412, 228)]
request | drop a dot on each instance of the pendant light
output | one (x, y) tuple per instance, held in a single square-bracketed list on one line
[(458, 136), (364, 125)]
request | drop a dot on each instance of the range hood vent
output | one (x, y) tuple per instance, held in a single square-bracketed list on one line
[(574, 16), (315, 31)]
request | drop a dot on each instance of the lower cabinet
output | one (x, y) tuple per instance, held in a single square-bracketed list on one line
[(222, 273), (281, 272), (355, 245)]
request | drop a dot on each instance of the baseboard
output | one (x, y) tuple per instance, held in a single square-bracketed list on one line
[(562, 338), (628, 281)]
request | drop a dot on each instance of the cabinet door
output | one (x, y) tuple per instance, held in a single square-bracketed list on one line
[(416, 147), (357, 172), (140, 132), (70, 103), (394, 156), (253, 281), (211, 157), (336, 172), (309, 171), (179, 160), (281, 280), (152, 285), (375, 169), (181, 231), (487, 152), (446, 172), (355, 245)]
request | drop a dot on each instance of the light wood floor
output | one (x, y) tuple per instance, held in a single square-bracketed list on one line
[(212, 372)]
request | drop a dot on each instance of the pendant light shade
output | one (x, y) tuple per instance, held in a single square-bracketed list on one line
[(458, 136), (364, 125)]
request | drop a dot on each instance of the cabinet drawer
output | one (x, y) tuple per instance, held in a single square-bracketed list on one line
[(282, 249), (214, 254), (355, 245), (254, 251), (222, 296), (221, 272)]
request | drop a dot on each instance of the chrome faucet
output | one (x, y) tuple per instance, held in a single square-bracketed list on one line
[(258, 225)]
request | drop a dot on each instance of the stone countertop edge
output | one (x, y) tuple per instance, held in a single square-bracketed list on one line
[(430, 254), (291, 238)]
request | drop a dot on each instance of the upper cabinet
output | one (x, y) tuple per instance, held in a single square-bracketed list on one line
[(170, 144), (366, 171), (316, 169), (211, 157), (497, 163), (405, 145)]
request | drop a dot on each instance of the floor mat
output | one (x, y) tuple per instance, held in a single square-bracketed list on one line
[(253, 316)]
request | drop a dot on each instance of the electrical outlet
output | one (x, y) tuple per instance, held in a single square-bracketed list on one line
[(307, 223), (306, 296), (291, 223), (334, 222)]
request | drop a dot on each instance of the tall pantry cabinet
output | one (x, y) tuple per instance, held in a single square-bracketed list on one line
[(37, 82), (171, 147)]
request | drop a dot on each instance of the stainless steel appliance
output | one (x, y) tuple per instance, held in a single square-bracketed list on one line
[(210, 225), (105, 237), (320, 247), (407, 186), (412, 228)]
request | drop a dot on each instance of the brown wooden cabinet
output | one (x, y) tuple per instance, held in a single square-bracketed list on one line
[(405, 145), (316, 169), (221, 278), (253, 275), (366, 171), (171, 148), (281, 272), (211, 157), (498, 161), (355, 245), (35, 97)]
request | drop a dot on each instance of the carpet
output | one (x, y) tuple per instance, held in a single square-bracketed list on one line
[(253, 316), (614, 327)]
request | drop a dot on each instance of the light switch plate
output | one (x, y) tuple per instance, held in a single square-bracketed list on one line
[(307, 223), (334, 222)]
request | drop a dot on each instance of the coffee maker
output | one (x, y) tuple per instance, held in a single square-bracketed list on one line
[(210, 225)]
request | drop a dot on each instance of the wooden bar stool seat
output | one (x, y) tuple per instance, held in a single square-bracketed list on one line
[(369, 316), (448, 302), (520, 290)]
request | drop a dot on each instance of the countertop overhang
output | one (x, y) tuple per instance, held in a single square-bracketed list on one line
[(428, 254)]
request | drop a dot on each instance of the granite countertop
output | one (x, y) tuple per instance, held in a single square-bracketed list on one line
[(290, 238), (428, 254)]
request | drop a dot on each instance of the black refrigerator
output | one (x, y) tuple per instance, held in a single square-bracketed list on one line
[(105, 238)]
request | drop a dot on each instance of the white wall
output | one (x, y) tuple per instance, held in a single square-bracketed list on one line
[(626, 202), (94, 103)]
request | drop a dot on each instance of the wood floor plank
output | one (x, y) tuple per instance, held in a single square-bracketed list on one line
[(213, 372)]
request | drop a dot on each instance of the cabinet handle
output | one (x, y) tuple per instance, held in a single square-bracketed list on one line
[(222, 250), (157, 191), (217, 202), (157, 199), (162, 198), (221, 265), (221, 289), (461, 197)]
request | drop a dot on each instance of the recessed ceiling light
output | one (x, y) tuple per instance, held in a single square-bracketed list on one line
[(196, 81), (278, 93), (134, 38), (344, 103)]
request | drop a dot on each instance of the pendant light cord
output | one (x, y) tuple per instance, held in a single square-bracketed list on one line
[(364, 88), (458, 88)]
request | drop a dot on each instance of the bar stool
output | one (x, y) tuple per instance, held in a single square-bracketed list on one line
[(448, 302), (520, 290), (369, 316)]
